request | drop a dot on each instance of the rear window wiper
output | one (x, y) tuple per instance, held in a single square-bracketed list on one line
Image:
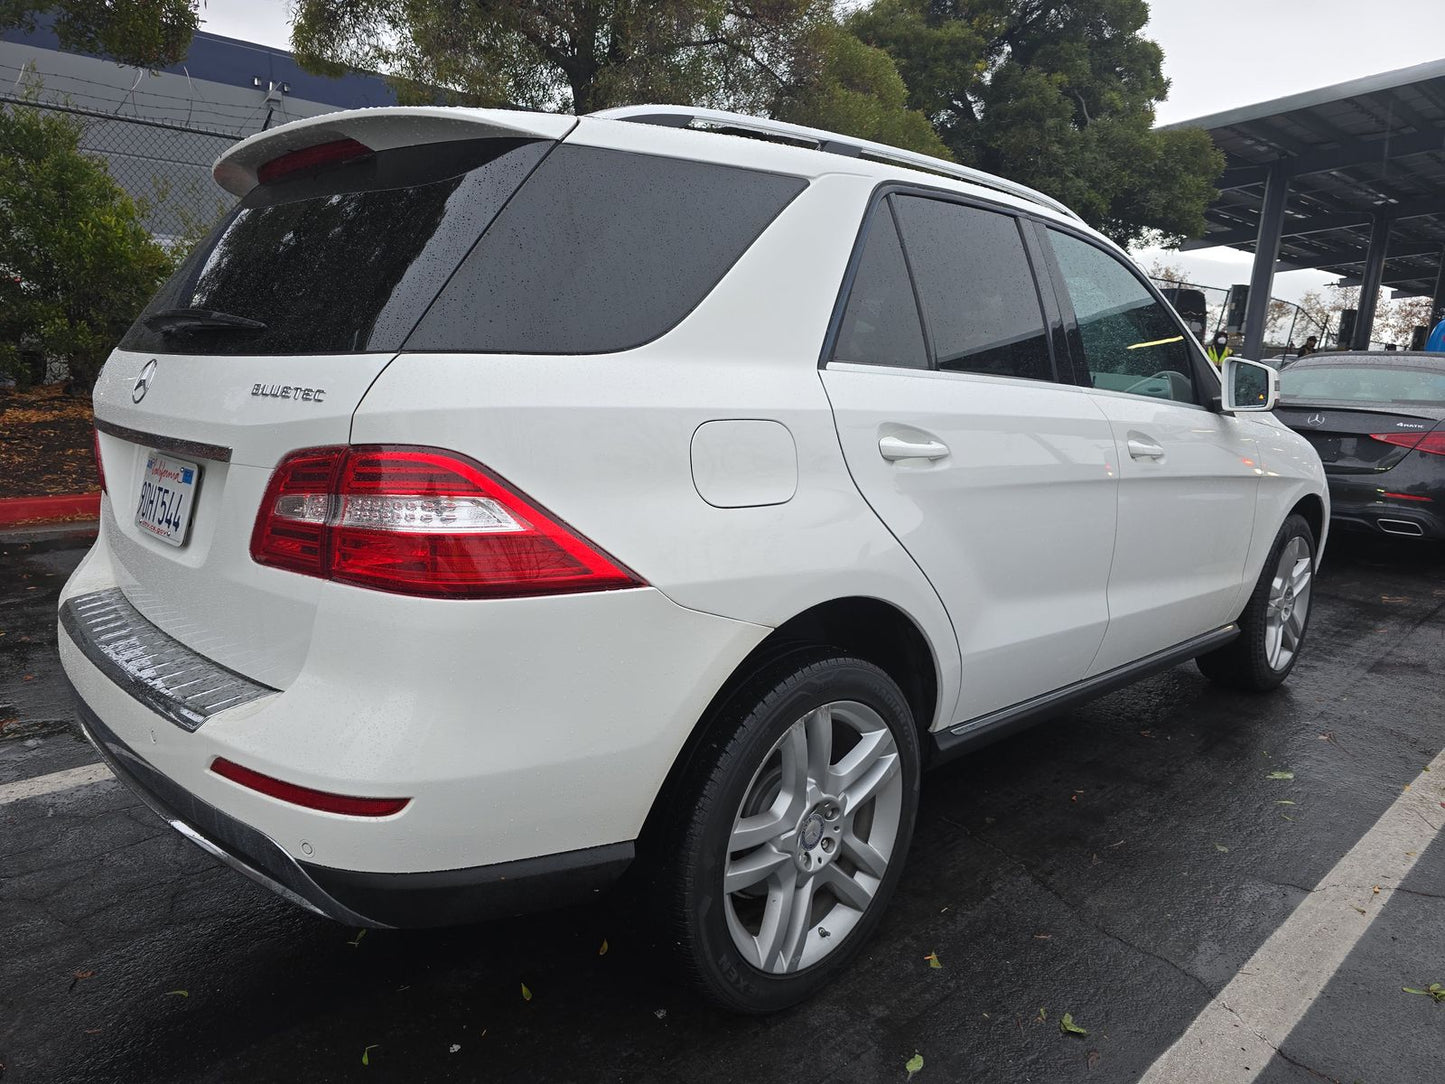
[(168, 320)]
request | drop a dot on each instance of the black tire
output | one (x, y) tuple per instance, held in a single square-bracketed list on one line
[(753, 736), (1245, 663)]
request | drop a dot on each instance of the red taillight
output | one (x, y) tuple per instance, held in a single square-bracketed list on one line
[(1430, 443), (291, 530), (99, 465), (323, 154), (1405, 496), (418, 521), (305, 796)]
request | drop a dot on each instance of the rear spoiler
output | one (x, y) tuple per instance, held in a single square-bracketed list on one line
[(381, 129)]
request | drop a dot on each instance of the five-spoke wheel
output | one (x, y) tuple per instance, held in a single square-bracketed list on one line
[(789, 832)]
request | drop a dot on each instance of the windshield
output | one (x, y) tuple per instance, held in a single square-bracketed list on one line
[(1420, 385), (340, 260)]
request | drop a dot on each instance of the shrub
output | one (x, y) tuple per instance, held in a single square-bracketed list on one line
[(76, 263)]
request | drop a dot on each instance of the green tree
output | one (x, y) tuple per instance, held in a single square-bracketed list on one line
[(782, 58), (858, 91), (76, 263), (146, 33), (1059, 96)]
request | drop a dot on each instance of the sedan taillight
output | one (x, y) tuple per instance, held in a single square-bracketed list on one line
[(419, 521), (1430, 443)]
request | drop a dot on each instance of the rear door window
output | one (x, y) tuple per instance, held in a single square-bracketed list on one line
[(980, 302), (601, 251), (343, 259)]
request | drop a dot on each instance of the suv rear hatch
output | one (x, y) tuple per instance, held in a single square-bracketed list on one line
[(265, 341)]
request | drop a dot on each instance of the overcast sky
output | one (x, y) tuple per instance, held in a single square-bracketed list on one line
[(1217, 54)]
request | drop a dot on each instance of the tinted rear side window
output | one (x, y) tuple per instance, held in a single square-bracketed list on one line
[(600, 251), (345, 259), (880, 325), (977, 289)]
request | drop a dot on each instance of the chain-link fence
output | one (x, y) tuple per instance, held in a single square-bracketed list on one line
[(164, 167)]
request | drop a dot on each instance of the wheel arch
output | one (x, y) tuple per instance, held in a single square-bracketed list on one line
[(1312, 508), (868, 628)]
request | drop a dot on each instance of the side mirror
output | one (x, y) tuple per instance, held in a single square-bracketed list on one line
[(1248, 385)]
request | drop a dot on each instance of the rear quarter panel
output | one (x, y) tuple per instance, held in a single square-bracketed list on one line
[(603, 441)]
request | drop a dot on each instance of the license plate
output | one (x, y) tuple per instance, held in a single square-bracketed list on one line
[(167, 492), (1328, 448)]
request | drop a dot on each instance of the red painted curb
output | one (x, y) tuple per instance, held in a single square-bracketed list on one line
[(33, 511)]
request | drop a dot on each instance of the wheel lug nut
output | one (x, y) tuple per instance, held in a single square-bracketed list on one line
[(827, 845)]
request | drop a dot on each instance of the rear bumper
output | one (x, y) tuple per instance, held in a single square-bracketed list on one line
[(382, 900), (1362, 505)]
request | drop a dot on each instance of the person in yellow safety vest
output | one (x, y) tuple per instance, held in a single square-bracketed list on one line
[(1219, 349)]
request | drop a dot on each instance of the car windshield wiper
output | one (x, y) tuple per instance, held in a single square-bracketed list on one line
[(168, 320)]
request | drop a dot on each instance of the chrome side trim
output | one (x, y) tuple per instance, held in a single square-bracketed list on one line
[(154, 668), (195, 449), (960, 737)]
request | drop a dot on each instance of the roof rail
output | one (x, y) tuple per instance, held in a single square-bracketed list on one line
[(682, 116)]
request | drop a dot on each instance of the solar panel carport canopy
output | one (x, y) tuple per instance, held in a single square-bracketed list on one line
[(1348, 179)]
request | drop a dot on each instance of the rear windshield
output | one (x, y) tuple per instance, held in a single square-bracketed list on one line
[(598, 251), (341, 260), (1370, 383)]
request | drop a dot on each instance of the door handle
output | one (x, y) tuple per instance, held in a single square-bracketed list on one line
[(1141, 447), (895, 448)]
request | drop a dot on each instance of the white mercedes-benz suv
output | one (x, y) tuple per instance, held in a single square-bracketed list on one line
[(497, 501)]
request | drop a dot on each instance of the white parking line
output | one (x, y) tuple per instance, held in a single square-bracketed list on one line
[(55, 781), (1238, 1032)]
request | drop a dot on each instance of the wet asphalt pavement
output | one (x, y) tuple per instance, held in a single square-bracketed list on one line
[(1120, 863)]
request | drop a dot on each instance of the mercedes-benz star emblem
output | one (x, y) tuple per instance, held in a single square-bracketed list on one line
[(1315, 420), (143, 382)]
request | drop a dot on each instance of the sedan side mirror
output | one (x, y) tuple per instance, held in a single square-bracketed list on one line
[(1248, 385)]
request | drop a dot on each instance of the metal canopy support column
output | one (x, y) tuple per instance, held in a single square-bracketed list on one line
[(1371, 280), (1266, 251), (1437, 303)]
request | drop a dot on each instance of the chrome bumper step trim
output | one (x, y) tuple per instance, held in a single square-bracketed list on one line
[(158, 670)]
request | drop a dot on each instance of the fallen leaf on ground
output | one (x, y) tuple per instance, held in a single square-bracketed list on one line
[(913, 1064), (1283, 801), (1221, 848), (526, 994), (178, 993), (1436, 991), (603, 950), (1280, 775), (932, 959), (355, 942), (1068, 1027), (366, 1053), (1375, 890), (454, 1048)]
